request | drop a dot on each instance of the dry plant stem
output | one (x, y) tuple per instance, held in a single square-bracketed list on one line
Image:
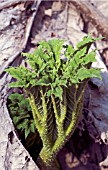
[(93, 15)]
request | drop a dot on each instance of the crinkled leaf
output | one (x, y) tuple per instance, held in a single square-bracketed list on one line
[(99, 38), (20, 111), (95, 73), (89, 57), (84, 73), (74, 80), (85, 41), (27, 131), (63, 82), (29, 55), (17, 84), (58, 92), (43, 81), (69, 51), (15, 96), (32, 127), (49, 92), (16, 119), (56, 46), (45, 45), (15, 72), (80, 53)]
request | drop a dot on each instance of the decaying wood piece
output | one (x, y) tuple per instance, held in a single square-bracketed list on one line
[(98, 105), (93, 15), (14, 34), (99, 100), (8, 3)]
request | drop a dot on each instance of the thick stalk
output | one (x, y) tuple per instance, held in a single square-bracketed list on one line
[(55, 109), (76, 113), (41, 125), (36, 114), (63, 107), (45, 153), (53, 166), (48, 153), (33, 104)]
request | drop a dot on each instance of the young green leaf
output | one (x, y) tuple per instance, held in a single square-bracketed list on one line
[(84, 73)]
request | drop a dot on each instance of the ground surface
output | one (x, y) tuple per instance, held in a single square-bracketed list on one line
[(23, 26)]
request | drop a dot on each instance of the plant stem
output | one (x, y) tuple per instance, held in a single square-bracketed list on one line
[(76, 113), (55, 109), (63, 107), (36, 114)]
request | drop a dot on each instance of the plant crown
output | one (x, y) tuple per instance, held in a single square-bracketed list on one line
[(48, 69), (55, 89)]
